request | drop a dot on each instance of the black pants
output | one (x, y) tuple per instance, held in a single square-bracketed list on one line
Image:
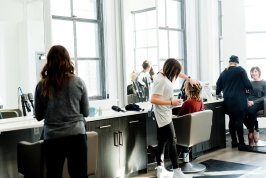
[(166, 136), (236, 125), (251, 118), (74, 148)]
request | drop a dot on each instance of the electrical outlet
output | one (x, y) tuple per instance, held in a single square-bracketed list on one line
[(36, 131)]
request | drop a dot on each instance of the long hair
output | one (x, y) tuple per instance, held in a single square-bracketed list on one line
[(171, 69), (56, 70), (193, 91)]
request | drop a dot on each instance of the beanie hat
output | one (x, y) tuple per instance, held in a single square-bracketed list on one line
[(234, 58)]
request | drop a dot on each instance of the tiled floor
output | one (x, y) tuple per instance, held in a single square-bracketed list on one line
[(226, 154)]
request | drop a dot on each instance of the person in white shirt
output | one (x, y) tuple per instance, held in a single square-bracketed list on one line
[(162, 98), (144, 80)]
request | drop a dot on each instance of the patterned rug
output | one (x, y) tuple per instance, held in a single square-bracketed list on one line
[(224, 169)]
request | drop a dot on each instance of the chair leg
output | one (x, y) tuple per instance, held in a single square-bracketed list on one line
[(188, 167)]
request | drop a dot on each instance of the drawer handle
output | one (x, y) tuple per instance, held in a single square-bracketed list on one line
[(218, 107), (120, 138), (102, 127), (131, 122), (115, 139)]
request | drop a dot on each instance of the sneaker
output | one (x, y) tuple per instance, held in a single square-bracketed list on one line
[(163, 173), (179, 174)]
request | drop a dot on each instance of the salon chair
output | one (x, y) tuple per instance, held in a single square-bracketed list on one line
[(31, 161), (10, 113), (192, 129)]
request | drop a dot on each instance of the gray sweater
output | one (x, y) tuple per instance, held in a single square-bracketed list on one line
[(259, 91), (64, 114)]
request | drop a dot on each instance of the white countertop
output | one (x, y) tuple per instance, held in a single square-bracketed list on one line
[(27, 122)]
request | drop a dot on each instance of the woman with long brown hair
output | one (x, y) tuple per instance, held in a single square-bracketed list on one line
[(61, 100), (162, 98)]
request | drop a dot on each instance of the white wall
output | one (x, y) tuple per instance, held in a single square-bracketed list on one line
[(19, 38), (234, 32), (209, 41), (9, 68)]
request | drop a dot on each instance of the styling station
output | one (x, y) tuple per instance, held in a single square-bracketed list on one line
[(123, 139)]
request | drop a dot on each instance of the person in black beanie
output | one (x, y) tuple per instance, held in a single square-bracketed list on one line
[(234, 82)]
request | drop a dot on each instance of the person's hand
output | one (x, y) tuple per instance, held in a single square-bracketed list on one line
[(193, 82), (250, 103), (177, 102), (247, 91)]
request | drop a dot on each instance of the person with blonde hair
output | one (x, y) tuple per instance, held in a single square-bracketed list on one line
[(234, 82), (194, 101), (61, 99)]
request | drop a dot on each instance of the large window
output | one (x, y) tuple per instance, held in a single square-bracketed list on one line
[(256, 35), (172, 43), (78, 26)]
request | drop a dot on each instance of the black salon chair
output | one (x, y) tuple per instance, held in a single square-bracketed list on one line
[(192, 129)]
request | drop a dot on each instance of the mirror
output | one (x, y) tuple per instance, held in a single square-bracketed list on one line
[(22, 39), (140, 46), (154, 31)]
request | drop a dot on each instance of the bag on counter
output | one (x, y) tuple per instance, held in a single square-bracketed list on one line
[(133, 107)]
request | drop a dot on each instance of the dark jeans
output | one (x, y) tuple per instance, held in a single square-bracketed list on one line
[(236, 125), (166, 136), (251, 118), (74, 148)]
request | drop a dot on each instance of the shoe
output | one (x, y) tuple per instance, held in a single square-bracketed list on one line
[(256, 136), (179, 174), (242, 147), (234, 144), (162, 172), (250, 140)]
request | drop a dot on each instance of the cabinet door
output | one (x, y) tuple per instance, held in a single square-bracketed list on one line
[(108, 155), (108, 148), (133, 148), (220, 121)]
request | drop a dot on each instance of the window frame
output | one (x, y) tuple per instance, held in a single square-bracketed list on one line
[(101, 58), (134, 31), (183, 30)]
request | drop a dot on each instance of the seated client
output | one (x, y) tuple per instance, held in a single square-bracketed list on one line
[(194, 101), (255, 103)]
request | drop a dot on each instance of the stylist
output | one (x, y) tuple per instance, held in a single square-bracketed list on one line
[(234, 82)]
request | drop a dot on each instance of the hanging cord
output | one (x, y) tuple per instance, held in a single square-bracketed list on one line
[(18, 95)]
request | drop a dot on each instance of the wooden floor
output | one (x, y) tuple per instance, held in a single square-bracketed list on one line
[(226, 154)]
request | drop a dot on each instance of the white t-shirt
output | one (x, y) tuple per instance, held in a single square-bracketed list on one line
[(164, 88)]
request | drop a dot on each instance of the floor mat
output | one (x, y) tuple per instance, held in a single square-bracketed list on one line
[(224, 169)]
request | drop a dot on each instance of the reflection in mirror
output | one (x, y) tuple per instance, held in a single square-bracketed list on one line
[(140, 45), (22, 39), (151, 39)]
